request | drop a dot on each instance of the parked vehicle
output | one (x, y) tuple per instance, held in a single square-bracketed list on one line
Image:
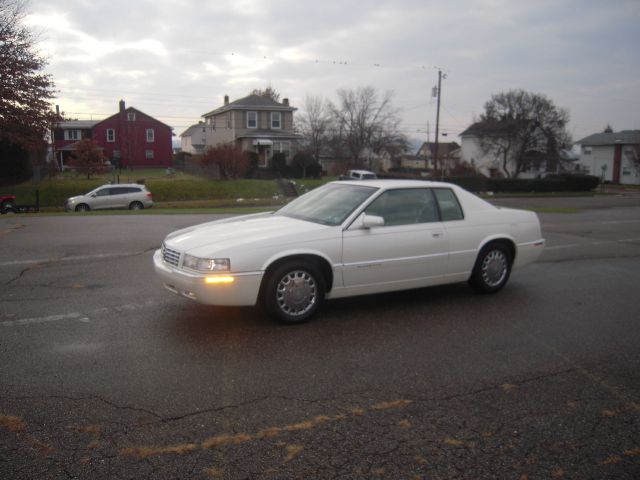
[(8, 205), (7, 200), (349, 238), (358, 175), (124, 195)]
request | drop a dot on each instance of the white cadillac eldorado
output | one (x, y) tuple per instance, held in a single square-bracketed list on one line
[(349, 238)]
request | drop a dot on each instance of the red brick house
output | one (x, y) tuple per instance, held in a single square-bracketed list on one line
[(130, 138)]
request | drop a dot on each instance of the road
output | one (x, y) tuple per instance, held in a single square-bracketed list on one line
[(106, 375)]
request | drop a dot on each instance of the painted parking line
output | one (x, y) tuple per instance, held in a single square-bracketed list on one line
[(50, 318), (592, 244), (77, 316), (74, 258)]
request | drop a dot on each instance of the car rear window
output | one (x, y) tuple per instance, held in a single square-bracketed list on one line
[(448, 203)]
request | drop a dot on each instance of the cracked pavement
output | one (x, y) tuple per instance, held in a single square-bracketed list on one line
[(104, 375)]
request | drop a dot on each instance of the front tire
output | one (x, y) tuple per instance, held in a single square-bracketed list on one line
[(293, 292), (492, 269), (83, 207)]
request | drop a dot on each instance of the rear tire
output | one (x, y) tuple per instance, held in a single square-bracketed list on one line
[(492, 269), (136, 206), (293, 292)]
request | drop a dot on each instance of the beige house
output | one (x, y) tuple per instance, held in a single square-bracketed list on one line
[(256, 124)]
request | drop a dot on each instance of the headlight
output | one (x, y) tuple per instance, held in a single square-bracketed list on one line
[(206, 264)]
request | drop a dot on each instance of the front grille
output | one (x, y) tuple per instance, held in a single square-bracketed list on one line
[(172, 257)]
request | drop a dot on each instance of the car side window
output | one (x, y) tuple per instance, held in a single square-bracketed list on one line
[(449, 206), (405, 206), (102, 193), (118, 190)]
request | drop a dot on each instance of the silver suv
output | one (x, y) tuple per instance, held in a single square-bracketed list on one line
[(123, 195)]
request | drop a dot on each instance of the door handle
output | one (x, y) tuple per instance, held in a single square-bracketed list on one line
[(437, 234)]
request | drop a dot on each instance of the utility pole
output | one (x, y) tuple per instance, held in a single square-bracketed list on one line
[(435, 161)]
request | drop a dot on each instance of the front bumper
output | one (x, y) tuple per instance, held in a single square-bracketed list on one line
[(242, 292)]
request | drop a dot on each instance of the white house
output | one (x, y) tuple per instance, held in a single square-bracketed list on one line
[(193, 139), (612, 156)]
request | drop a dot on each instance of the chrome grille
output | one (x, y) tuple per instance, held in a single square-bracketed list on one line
[(172, 257)]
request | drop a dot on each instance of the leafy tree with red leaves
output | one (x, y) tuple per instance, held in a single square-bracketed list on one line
[(230, 159), (88, 158)]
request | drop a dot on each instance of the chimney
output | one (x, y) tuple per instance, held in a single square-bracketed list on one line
[(226, 99), (285, 102), (121, 106), (58, 110)]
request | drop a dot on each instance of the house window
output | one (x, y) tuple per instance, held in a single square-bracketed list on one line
[(148, 154), (111, 135), (252, 119), (282, 147), (587, 150), (131, 116), (72, 134), (626, 171), (151, 135), (228, 119), (276, 120)]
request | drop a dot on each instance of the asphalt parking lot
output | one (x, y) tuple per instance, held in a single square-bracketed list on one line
[(104, 374)]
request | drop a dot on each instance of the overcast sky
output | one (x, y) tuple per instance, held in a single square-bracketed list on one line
[(176, 59)]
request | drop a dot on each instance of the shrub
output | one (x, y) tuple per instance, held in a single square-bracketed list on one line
[(230, 159)]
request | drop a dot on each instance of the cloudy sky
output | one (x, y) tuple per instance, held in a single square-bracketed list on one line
[(176, 59)]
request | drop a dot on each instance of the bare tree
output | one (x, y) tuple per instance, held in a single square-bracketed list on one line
[(360, 117), (268, 92), (314, 124), (521, 128)]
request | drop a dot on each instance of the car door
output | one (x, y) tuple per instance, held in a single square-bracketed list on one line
[(119, 197), (101, 199), (410, 250)]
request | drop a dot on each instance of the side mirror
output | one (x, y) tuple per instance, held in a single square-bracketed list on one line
[(370, 221)]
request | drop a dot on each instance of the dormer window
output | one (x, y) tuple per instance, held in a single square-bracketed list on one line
[(276, 120), (252, 119)]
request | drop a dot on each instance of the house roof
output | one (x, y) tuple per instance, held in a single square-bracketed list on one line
[(252, 102), (487, 127), (625, 137), (189, 131), (77, 124), (131, 109), (444, 148)]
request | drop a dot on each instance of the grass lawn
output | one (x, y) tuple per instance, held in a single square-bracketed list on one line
[(184, 191), (177, 191)]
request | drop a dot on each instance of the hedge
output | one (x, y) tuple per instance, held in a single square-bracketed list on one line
[(480, 183), (551, 183)]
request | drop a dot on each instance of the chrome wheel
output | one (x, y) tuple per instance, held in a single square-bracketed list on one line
[(495, 267), (492, 269), (296, 293)]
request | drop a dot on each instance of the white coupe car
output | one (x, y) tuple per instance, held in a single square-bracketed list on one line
[(349, 238)]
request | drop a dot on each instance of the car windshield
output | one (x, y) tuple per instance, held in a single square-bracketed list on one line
[(329, 205)]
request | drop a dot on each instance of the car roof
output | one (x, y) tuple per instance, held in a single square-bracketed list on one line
[(122, 185), (361, 171), (381, 183)]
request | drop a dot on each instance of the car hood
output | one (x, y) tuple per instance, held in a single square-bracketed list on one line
[(234, 233)]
